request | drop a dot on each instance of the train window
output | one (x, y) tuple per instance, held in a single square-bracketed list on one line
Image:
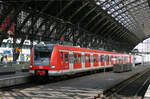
[(79, 58), (86, 58), (111, 58), (107, 58), (102, 58), (66, 58), (95, 58), (41, 57), (116, 58), (70, 58), (89, 58), (75, 58), (61, 55)]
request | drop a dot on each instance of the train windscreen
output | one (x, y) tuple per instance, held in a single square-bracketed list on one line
[(42, 55)]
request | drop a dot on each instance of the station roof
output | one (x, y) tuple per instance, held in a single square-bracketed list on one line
[(117, 22), (134, 15)]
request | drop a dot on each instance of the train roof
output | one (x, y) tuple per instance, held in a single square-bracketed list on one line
[(78, 49), (74, 48)]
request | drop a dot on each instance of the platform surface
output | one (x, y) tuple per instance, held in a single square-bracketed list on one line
[(17, 74), (77, 88)]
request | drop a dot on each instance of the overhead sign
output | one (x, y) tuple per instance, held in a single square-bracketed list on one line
[(18, 49), (7, 52)]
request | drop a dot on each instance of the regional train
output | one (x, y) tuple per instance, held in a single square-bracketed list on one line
[(57, 60)]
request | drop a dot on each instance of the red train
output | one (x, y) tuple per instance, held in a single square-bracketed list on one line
[(56, 60)]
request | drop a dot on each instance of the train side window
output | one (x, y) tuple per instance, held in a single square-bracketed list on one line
[(61, 55), (106, 58), (66, 58), (86, 58), (70, 58), (111, 58), (102, 58), (95, 58), (89, 58), (79, 58), (99, 58), (75, 58)]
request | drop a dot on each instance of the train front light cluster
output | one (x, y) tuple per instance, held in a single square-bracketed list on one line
[(52, 66), (30, 66)]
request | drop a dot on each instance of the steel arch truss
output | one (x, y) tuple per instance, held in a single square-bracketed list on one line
[(88, 23)]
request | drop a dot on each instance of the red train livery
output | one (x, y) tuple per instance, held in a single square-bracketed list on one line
[(56, 60)]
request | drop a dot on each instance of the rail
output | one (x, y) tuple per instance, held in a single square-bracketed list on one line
[(133, 87)]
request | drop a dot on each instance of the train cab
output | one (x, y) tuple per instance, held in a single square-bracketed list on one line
[(41, 59)]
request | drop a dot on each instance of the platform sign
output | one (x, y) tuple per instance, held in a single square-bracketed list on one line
[(7, 52), (19, 49)]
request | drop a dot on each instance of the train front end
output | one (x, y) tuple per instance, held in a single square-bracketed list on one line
[(41, 59)]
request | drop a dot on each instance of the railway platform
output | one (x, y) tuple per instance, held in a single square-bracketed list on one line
[(84, 87), (13, 74), (91, 85), (14, 79)]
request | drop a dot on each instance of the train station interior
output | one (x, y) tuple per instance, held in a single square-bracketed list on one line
[(74, 49)]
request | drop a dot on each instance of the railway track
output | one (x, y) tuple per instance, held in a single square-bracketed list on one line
[(132, 88)]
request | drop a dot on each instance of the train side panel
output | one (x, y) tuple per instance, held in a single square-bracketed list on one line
[(69, 60)]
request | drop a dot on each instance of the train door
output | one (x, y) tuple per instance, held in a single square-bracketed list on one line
[(107, 60), (61, 60), (95, 60), (64, 60), (122, 59), (99, 59), (130, 59), (102, 60), (83, 61), (91, 60), (75, 60), (70, 61), (112, 59), (87, 60), (79, 60), (126, 59), (116, 60)]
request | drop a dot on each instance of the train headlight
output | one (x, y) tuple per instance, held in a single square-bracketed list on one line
[(30, 66), (52, 66)]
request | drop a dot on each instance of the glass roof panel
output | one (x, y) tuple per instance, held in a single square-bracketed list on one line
[(129, 13)]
